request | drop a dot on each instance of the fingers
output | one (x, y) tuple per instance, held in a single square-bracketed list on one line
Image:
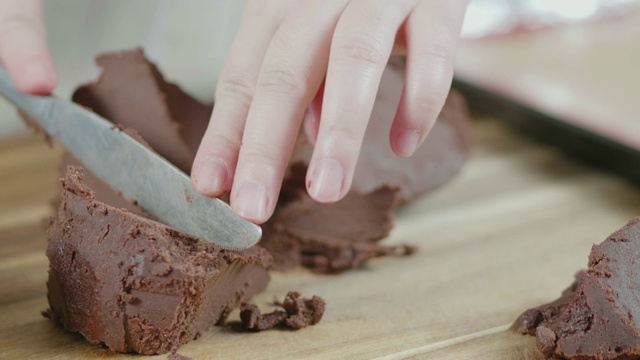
[(362, 42), (432, 32), (274, 72), (291, 73), (215, 163), (23, 46)]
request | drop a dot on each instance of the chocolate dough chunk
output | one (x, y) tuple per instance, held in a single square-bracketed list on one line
[(331, 237), (135, 285), (298, 313), (443, 153), (598, 316), (132, 93)]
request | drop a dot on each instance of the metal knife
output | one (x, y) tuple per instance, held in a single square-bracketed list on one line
[(137, 172)]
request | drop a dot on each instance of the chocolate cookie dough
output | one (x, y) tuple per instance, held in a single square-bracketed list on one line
[(299, 233), (132, 93), (135, 285), (298, 313), (598, 316)]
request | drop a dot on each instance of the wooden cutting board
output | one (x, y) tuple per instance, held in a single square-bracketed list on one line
[(506, 235)]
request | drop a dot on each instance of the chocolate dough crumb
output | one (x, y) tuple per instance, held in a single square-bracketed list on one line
[(598, 316), (298, 313), (175, 356)]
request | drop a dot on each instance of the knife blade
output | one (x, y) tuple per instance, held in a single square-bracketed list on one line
[(138, 173)]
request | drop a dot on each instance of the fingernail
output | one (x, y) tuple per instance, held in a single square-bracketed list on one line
[(326, 180), (407, 142), (211, 176), (251, 200)]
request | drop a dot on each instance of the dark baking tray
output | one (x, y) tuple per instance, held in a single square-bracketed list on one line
[(579, 143)]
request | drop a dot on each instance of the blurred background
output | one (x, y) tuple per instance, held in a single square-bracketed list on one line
[(577, 61), (186, 38)]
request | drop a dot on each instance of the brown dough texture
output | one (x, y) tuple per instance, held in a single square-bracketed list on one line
[(598, 316), (132, 93), (135, 285), (299, 232), (298, 313)]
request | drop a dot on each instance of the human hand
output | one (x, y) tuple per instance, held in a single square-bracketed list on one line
[(23, 46), (321, 60)]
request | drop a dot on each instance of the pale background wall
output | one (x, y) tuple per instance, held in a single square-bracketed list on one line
[(186, 38)]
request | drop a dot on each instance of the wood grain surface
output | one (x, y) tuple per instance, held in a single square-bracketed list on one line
[(507, 234)]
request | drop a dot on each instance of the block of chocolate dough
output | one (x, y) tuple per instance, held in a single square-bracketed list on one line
[(598, 316), (135, 285)]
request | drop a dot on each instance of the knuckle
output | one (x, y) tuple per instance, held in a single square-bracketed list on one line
[(260, 155), (15, 23), (345, 133), (219, 144), (236, 85), (427, 106), (284, 81), (223, 140), (373, 13), (361, 48), (443, 54)]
